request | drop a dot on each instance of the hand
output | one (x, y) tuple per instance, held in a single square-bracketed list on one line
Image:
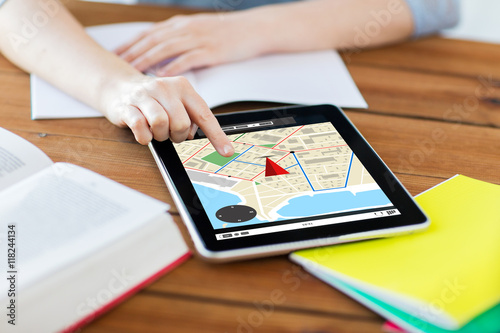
[(194, 41), (163, 108)]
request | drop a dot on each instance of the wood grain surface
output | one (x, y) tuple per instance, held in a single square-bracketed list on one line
[(434, 112)]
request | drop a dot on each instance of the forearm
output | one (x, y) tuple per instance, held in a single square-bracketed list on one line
[(331, 24), (41, 37), (58, 49)]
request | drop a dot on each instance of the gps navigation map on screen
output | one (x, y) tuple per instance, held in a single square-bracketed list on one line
[(280, 175)]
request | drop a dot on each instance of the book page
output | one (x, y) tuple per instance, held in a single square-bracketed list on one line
[(18, 159), (297, 78), (64, 213)]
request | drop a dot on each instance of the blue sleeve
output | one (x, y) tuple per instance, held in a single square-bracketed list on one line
[(430, 16), (215, 4)]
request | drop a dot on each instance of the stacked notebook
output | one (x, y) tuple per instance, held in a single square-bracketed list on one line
[(446, 279)]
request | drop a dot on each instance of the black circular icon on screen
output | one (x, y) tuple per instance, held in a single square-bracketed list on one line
[(236, 213)]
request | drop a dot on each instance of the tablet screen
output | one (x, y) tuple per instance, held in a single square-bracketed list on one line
[(281, 179)]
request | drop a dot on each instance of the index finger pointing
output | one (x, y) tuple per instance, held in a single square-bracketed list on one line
[(204, 118)]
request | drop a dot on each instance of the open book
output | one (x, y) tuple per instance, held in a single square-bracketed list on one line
[(444, 280), (74, 243), (300, 78)]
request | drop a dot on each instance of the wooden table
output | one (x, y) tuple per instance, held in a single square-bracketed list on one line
[(434, 112)]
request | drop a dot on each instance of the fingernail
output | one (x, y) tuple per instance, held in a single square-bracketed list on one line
[(166, 71), (137, 65), (161, 73), (228, 149)]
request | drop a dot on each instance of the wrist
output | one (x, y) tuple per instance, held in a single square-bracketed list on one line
[(115, 99), (117, 88), (292, 27)]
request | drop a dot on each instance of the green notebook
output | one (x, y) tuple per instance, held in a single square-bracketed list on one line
[(487, 322), (446, 278)]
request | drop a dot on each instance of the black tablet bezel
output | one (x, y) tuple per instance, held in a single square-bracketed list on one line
[(411, 214)]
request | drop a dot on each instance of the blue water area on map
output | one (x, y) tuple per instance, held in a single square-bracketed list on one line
[(323, 203), (213, 200), (320, 203)]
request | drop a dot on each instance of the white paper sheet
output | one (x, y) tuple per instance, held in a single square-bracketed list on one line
[(300, 78)]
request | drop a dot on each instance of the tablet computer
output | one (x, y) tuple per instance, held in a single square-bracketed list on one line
[(301, 176)]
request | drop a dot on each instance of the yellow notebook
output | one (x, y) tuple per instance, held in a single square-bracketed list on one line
[(446, 275)]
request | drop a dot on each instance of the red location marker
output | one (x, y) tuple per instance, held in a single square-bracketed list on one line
[(273, 169)]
